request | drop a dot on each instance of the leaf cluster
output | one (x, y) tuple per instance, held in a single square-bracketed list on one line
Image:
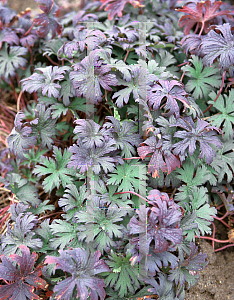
[(117, 138)]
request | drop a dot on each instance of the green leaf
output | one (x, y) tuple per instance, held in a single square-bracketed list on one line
[(124, 278), (33, 157), (10, 60), (204, 212), (224, 119), (73, 200), (129, 177), (41, 208), (166, 59), (45, 234), (57, 169), (186, 174), (64, 234), (100, 224), (24, 191), (202, 80), (67, 91), (223, 162)]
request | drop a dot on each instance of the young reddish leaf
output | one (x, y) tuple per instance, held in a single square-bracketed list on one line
[(116, 7), (161, 159), (22, 279), (47, 20), (201, 17)]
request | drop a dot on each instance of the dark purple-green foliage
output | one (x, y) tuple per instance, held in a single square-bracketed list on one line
[(106, 86)]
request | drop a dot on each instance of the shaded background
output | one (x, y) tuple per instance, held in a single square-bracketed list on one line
[(21, 5)]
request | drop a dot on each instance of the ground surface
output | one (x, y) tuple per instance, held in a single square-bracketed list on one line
[(217, 279)]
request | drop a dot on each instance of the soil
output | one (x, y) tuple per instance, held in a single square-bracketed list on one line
[(217, 279)]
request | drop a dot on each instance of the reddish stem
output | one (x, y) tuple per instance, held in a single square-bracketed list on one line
[(203, 23), (218, 207), (133, 194), (213, 234), (185, 63), (222, 222), (135, 157), (27, 32), (126, 55), (182, 77), (4, 219), (53, 62), (220, 90), (52, 214), (212, 239), (224, 247), (227, 214), (18, 101)]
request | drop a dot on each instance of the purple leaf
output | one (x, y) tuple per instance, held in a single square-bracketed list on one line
[(116, 7), (22, 279), (83, 16), (191, 42), (159, 224), (203, 133), (47, 20), (93, 157), (138, 84), (216, 45), (89, 74), (125, 135), (83, 37), (9, 36), (19, 139), (45, 80), (91, 133), (83, 268), (6, 14), (21, 234), (28, 40), (171, 91)]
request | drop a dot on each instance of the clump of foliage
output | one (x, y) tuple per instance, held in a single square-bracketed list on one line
[(116, 159)]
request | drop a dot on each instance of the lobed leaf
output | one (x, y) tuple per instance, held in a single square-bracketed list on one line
[(22, 278)]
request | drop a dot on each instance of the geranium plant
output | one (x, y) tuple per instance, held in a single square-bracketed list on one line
[(121, 148)]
